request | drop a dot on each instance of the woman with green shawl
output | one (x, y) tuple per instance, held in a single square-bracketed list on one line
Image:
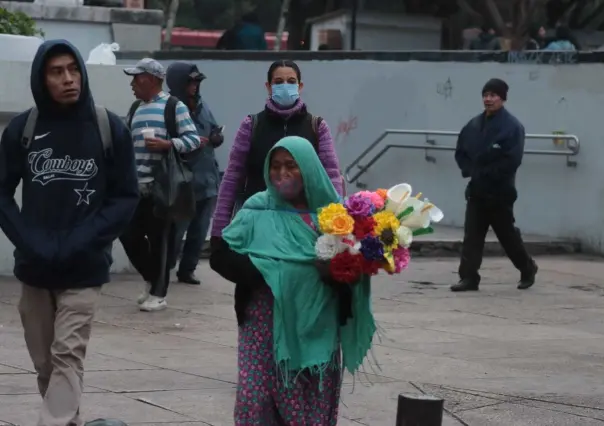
[(296, 333)]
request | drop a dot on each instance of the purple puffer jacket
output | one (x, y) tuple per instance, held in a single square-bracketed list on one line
[(234, 176)]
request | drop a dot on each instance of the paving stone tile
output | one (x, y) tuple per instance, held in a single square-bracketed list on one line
[(149, 380), (497, 357)]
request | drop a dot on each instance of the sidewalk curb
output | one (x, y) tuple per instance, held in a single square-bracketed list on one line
[(428, 248)]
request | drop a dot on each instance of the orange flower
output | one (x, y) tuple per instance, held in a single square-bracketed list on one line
[(382, 193), (342, 224)]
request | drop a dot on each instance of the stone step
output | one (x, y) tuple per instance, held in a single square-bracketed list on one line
[(447, 242)]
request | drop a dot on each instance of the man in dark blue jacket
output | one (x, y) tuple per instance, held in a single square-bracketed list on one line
[(489, 151), (184, 80), (78, 195)]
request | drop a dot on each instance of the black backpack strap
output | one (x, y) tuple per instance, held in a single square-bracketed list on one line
[(170, 117), (254, 118), (315, 122), (131, 112), (102, 119), (30, 128)]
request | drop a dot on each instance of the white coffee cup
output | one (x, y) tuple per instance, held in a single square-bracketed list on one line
[(148, 133)]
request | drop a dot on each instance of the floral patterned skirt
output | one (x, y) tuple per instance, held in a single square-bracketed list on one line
[(262, 399)]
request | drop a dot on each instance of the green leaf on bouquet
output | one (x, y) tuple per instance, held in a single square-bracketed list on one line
[(423, 231), (405, 212)]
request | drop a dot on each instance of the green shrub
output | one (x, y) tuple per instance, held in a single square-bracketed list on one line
[(18, 23)]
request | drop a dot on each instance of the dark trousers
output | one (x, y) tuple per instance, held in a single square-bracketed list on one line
[(197, 231), (144, 241), (480, 215)]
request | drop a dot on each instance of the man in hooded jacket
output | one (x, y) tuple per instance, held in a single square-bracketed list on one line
[(184, 80), (77, 198)]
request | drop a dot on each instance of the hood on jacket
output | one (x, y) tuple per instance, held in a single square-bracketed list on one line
[(44, 102), (178, 76)]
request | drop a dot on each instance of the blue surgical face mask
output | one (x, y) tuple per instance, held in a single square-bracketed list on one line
[(285, 94)]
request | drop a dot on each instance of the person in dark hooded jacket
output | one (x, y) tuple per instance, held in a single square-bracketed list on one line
[(536, 40), (486, 40), (77, 198), (184, 80), (489, 151)]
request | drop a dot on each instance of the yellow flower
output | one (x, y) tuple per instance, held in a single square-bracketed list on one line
[(389, 265), (385, 220), (334, 219), (386, 226), (389, 243)]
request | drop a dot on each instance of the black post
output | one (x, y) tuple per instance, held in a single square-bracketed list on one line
[(419, 410), (353, 25)]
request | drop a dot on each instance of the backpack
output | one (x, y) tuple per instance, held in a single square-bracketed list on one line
[(169, 115), (102, 119), (315, 121)]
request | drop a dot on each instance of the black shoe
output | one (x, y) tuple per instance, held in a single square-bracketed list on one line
[(188, 279), (465, 285), (527, 280)]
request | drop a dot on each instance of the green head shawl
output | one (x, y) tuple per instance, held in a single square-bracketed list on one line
[(281, 245)]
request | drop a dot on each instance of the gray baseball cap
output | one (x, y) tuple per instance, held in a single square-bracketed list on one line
[(149, 66)]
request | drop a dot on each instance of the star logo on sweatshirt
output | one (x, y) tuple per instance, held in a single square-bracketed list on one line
[(84, 194)]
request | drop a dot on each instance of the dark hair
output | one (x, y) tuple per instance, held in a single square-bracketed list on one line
[(250, 17), (283, 64), (563, 33), (533, 30)]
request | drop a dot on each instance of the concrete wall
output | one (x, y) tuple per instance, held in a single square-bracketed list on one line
[(87, 27), (360, 98)]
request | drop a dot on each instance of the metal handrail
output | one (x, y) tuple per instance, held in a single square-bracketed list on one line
[(572, 148)]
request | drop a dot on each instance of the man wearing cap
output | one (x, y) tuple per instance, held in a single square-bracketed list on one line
[(184, 80), (143, 239), (489, 151)]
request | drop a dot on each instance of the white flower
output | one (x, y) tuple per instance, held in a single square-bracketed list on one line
[(405, 236), (397, 196), (436, 214), (327, 246), (351, 244), (424, 212)]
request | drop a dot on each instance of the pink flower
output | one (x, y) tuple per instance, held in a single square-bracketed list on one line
[(401, 259), (375, 198)]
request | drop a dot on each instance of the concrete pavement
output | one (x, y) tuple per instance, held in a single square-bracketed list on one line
[(498, 357)]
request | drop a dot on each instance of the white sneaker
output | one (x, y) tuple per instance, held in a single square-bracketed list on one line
[(153, 303), (144, 295)]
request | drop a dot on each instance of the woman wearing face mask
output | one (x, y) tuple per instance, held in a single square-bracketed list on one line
[(296, 333), (284, 114)]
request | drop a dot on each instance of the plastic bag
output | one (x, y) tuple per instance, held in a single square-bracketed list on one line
[(103, 54)]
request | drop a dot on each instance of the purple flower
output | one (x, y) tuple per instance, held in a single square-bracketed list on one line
[(372, 248), (358, 205)]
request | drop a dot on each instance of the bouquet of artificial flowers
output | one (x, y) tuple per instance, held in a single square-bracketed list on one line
[(371, 231)]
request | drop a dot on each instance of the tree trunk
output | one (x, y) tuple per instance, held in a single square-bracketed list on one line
[(493, 11), (468, 10), (172, 10), (283, 17)]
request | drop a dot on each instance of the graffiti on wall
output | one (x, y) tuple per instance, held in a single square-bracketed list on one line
[(543, 57), (345, 127), (445, 89)]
